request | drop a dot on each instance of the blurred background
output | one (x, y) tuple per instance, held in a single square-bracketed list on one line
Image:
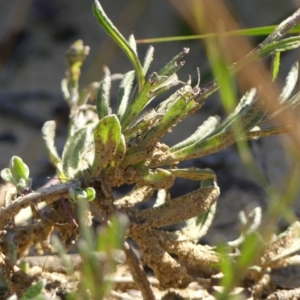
[(34, 35)]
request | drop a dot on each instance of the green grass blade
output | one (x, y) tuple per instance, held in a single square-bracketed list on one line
[(255, 31)]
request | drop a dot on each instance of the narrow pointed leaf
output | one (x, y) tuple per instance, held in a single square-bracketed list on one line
[(143, 124), (107, 135), (205, 147), (165, 105), (134, 158), (73, 151), (174, 64), (136, 106), (193, 173), (144, 98), (176, 113), (158, 179), (252, 117), (132, 43), (241, 109), (48, 132), (148, 59), (269, 49), (171, 81), (113, 32), (178, 210), (200, 134), (124, 92), (103, 98), (157, 81)]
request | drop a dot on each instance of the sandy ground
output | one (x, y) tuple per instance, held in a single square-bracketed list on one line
[(33, 38)]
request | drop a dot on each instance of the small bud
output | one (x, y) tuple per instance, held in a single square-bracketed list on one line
[(91, 194), (18, 169)]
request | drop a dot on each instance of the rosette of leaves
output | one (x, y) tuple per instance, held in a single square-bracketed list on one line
[(107, 148)]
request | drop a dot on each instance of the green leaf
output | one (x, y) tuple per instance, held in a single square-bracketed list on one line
[(158, 179), (132, 43), (136, 106), (170, 81), (119, 154), (174, 64), (19, 170), (112, 31), (103, 98), (269, 49), (204, 147), (143, 124), (241, 109), (107, 136), (74, 148), (124, 92), (7, 176), (175, 113), (275, 63), (134, 158), (144, 98), (157, 83), (148, 59), (48, 132), (193, 173), (200, 134), (252, 117)]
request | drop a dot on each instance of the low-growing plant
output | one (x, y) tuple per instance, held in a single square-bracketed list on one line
[(106, 149)]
